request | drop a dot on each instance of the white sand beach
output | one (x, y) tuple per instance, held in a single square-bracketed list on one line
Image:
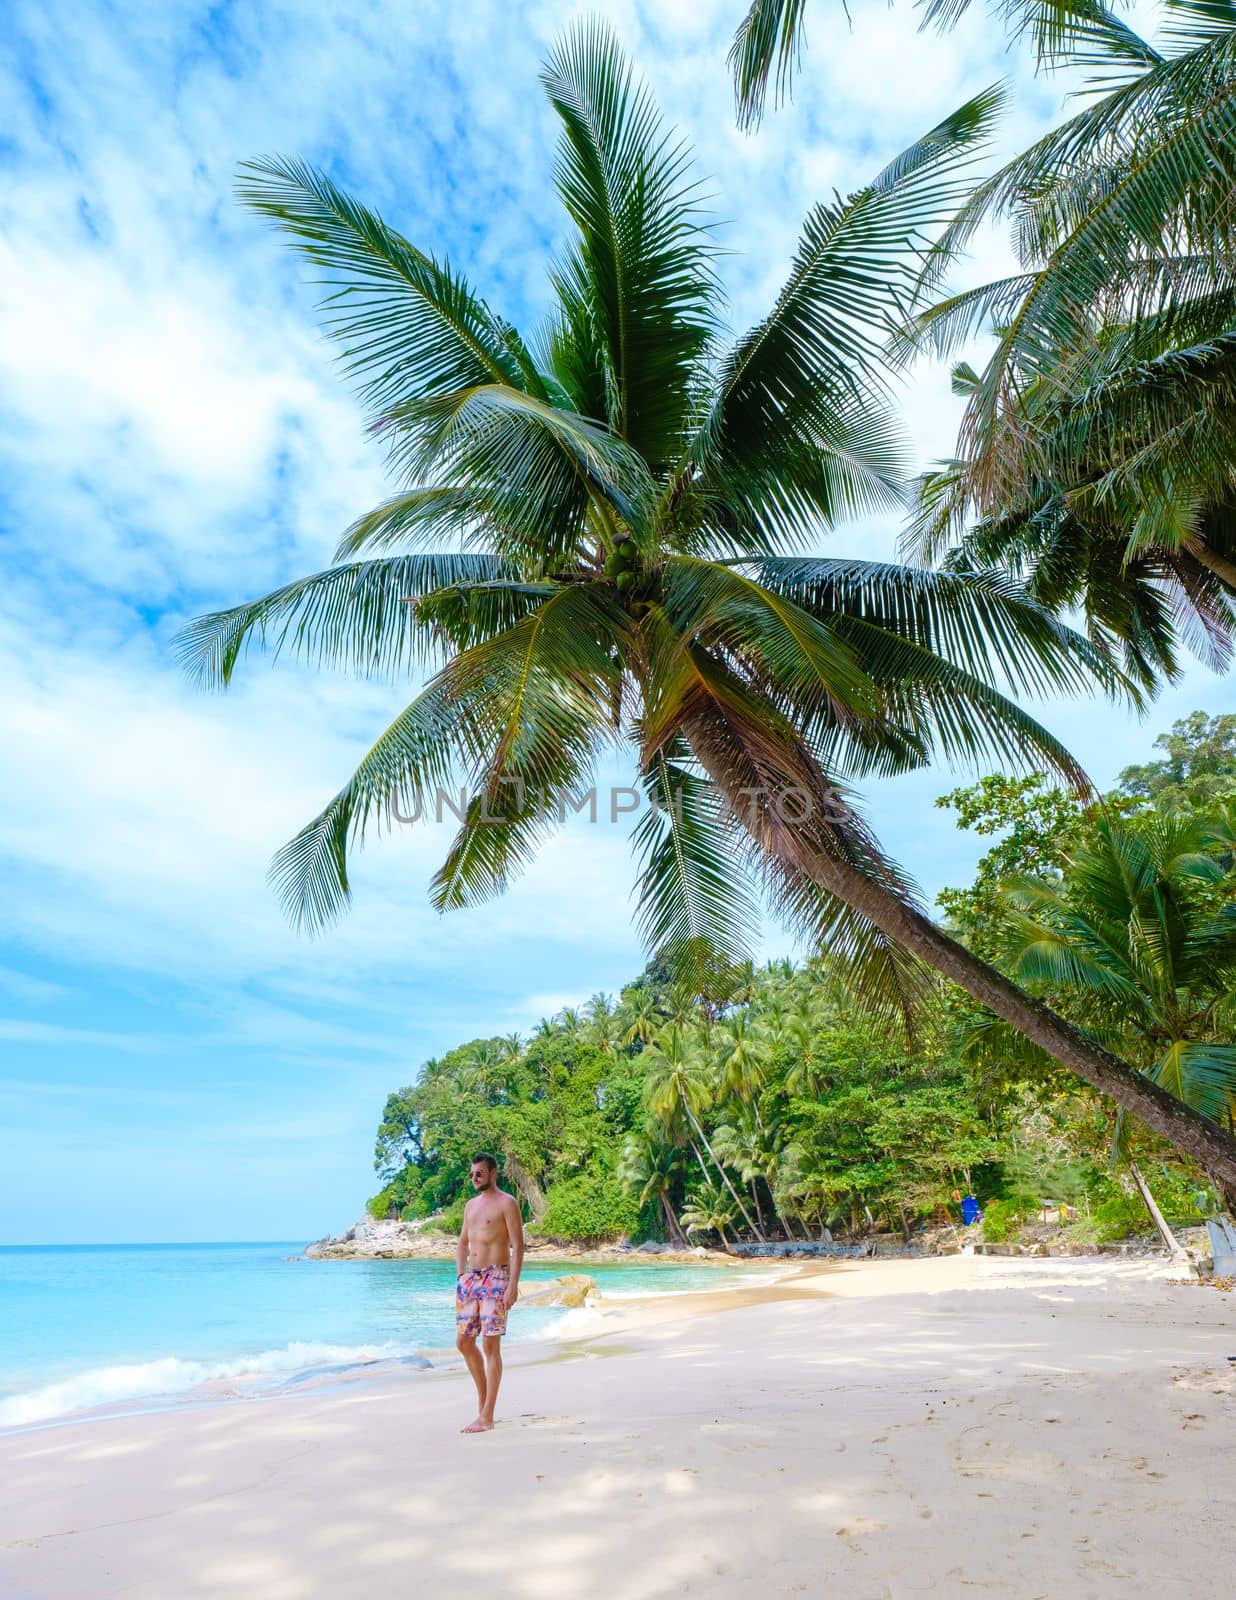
[(1049, 1428)]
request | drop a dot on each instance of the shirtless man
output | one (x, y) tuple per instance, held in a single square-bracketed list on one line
[(490, 1254)]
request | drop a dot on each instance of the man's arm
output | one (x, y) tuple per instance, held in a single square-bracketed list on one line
[(515, 1233), (461, 1249)]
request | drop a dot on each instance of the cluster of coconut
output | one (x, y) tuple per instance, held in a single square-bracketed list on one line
[(620, 562)]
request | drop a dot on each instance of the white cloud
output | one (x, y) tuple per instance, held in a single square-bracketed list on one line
[(22, 1032)]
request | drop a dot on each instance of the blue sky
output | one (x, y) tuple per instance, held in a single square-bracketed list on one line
[(174, 1062)]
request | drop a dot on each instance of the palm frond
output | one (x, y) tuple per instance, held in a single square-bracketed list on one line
[(547, 686), (1210, 947), (1048, 958), (769, 36), (641, 268), (409, 325), (540, 466), (697, 915), (983, 622), (456, 512), (888, 984), (1202, 1075), (398, 777), (938, 707), (821, 350), (362, 615), (798, 652), (989, 1041)]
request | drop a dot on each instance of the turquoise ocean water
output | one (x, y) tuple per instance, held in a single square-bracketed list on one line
[(91, 1325)]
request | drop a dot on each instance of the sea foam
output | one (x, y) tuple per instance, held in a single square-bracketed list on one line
[(169, 1375)]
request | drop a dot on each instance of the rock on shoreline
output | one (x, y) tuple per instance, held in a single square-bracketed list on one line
[(371, 1240)]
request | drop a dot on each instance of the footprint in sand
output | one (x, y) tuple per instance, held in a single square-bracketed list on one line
[(860, 1526), (1136, 1467)]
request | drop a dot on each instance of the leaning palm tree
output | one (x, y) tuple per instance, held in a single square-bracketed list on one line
[(678, 1088), (597, 538)]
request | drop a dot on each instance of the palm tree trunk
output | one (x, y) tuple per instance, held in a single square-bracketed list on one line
[(755, 1201), (1205, 1141), (533, 1195), (1220, 566), (703, 1165), (1226, 1192), (1187, 1129), (805, 851), (1170, 1242), (721, 1172), (671, 1223)]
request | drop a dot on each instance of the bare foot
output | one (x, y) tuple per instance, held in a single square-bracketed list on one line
[(479, 1426)]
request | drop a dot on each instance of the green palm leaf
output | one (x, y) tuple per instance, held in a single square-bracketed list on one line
[(983, 622), (820, 351), (695, 912), (362, 615), (541, 466), (399, 775), (418, 516), (639, 269), (547, 686), (1049, 958), (800, 653), (408, 325), (770, 35), (1202, 1075)]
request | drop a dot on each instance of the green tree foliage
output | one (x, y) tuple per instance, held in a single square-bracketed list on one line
[(1036, 823), (1197, 770), (588, 1208), (1138, 938), (768, 45), (1119, 914)]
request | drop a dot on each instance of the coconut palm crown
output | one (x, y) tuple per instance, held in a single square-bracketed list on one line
[(1097, 444), (599, 539)]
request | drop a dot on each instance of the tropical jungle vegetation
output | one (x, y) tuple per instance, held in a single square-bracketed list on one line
[(783, 1113)]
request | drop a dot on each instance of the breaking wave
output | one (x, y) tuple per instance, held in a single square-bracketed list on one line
[(169, 1375)]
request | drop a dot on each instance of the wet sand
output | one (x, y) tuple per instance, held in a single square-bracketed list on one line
[(1051, 1428)]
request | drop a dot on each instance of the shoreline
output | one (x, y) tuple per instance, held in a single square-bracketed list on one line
[(841, 1424), (162, 1383), (371, 1240)]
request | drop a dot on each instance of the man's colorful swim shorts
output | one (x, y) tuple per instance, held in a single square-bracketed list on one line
[(478, 1301)]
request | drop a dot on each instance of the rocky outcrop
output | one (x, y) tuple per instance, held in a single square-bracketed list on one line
[(573, 1289), (372, 1240)]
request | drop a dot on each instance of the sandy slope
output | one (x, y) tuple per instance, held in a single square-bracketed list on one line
[(944, 1427)]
